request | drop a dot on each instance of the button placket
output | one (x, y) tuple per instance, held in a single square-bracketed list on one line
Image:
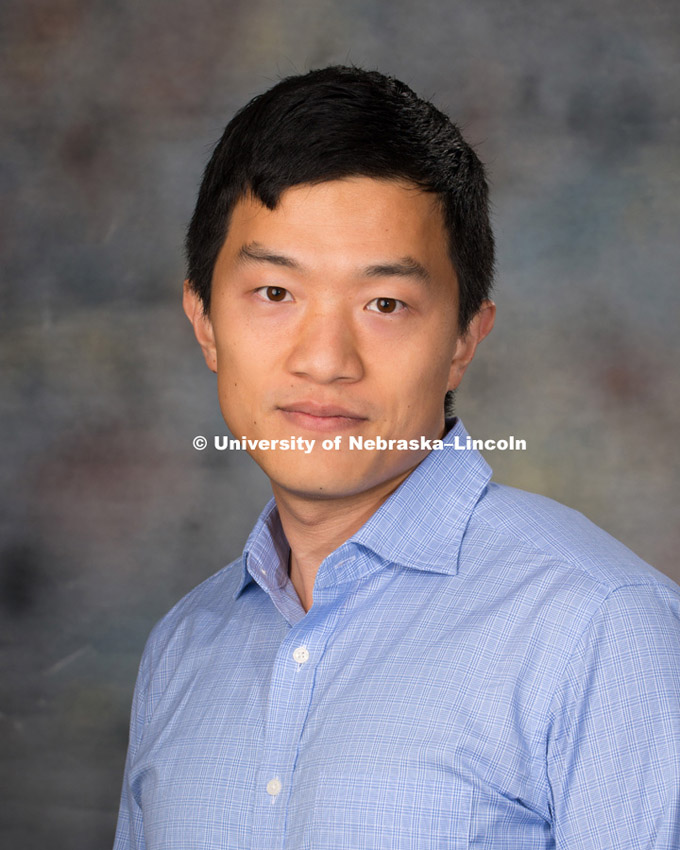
[(286, 715), (290, 700)]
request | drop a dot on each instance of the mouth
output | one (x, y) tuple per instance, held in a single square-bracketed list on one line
[(321, 417)]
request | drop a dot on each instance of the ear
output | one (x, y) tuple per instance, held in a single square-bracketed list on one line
[(466, 345), (193, 307)]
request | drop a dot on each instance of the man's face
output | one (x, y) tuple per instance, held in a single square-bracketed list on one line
[(335, 315)]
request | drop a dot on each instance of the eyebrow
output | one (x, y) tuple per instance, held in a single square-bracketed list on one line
[(254, 252), (403, 267)]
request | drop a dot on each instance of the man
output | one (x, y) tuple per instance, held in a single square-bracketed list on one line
[(407, 655)]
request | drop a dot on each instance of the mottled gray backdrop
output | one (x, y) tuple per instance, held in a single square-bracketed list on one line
[(109, 110)]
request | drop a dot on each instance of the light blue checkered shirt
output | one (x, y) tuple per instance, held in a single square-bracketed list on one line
[(481, 668)]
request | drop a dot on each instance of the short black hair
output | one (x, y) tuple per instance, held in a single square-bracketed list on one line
[(340, 122)]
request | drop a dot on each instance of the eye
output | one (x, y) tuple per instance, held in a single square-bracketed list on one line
[(386, 305), (274, 293)]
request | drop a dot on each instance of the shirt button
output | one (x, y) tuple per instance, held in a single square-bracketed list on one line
[(301, 654), (274, 787)]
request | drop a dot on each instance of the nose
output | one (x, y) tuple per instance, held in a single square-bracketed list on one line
[(324, 348)]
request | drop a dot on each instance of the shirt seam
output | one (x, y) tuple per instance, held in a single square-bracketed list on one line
[(564, 559), (550, 714)]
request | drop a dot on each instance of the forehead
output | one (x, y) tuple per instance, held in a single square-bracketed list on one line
[(345, 219)]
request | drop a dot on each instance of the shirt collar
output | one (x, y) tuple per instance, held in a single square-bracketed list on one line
[(421, 525), (265, 555)]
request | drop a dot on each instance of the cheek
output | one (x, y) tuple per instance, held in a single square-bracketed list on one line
[(231, 383), (243, 377), (236, 357), (416, 371), (418, 388)]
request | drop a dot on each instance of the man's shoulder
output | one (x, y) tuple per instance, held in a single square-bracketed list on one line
[(524, 523), (199, 613)]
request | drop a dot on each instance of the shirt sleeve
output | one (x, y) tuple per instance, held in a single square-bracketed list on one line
[(130, 827), (613, 752)]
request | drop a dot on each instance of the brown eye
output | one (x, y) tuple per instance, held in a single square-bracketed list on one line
[(386, 305), (276, 293)]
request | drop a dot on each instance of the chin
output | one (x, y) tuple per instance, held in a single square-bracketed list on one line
[(319, 491), (310, 480), (329, 475)]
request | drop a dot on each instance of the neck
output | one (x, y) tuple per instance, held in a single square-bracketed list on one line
[(314, 527)]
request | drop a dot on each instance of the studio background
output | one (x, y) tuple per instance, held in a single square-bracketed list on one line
[(109, 112)]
